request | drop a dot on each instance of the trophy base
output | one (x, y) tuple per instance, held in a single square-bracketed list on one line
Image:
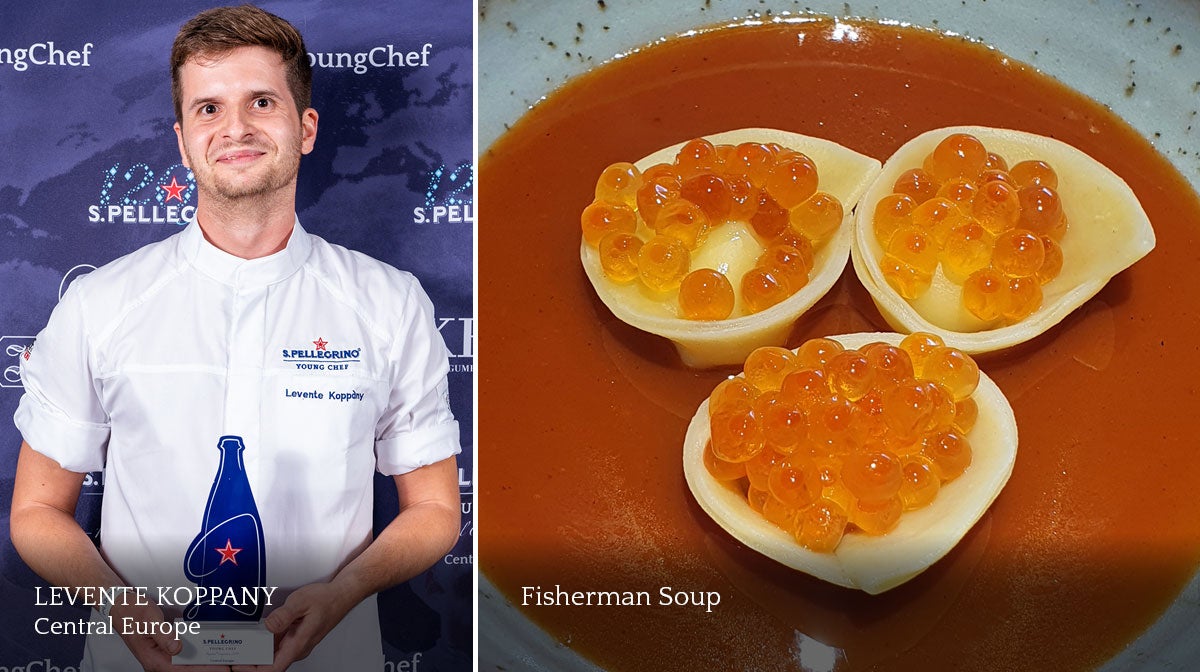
[(227, 643)]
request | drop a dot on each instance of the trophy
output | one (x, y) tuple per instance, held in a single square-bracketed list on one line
[(227, 557)]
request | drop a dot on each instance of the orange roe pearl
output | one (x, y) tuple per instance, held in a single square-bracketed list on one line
[(918, 346), (920, 485), (937, 217), (795, 239), (654, 193), (916, 248), (705, 294), (792, 180), (966, 412), (769, 219), (958, 156), (696, 157), (985, 294), (1018, 253), (818, 352), (684, 221), (662, 263), (830, 423), (766, 367), (743, 198), (877, 519), (950, 453), (967, 249), (806, 386), (720, 469), (758, 468), (710, 192), (659, 171), (892, 213), (818, 217), (1024, 297), (872, 476), (996, 207), (757, 498), (752, 160), (909, 281), (909, 409), (820, 527), (736, 435), (779, 514), (1053, 262), (600, 219), (785, 425), (1041, 209), (996, 176), (794, 482), (892, 365), (995, 162), (619, 183), (762, 288), (619, 255), (942, 417), (917, 185), (959, 192), (732, 394), (869, 427), (1037, 173), (791, 264), (953, 369), (850, 374)]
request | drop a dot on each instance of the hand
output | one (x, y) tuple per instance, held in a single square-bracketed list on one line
[(301, 623), (152, 651)]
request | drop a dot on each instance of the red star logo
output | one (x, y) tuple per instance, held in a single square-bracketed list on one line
[(228, 552), (174, 190), (320, 343)]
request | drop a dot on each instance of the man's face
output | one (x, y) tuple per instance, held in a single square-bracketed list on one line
[(240, 133)]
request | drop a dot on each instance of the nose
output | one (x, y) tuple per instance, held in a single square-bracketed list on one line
[(238, 123)]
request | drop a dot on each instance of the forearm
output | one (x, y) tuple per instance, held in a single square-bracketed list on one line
[(425, 529), (54, 546), (43, 527)]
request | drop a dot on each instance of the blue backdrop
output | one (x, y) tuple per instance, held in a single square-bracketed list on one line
[(86, 146)]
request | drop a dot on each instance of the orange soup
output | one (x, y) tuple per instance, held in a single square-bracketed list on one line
[(582, 417)]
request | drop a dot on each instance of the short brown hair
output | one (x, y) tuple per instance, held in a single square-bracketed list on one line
[(217, 31)]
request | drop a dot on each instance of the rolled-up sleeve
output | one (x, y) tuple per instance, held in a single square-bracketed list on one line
[(417, 428), (60, 414)]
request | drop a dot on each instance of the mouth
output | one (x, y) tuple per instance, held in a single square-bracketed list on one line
[(238, 156)]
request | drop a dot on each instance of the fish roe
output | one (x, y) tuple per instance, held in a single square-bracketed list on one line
[(817, 217), (619, 256), (602, 218), (619, 184), (827, 440), (662, 263), (773, 189), (705, 294), (993, 230)]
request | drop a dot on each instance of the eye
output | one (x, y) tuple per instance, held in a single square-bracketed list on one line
[(262, 103), (208, 109)]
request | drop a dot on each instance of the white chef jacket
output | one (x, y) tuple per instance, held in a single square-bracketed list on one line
[(325, 361)]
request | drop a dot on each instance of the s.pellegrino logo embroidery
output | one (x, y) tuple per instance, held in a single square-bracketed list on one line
[(229, 551)]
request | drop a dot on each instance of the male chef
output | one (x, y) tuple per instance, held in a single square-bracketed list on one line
[(241, 345)]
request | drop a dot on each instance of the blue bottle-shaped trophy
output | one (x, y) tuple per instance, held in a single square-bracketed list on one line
[(229, 551)]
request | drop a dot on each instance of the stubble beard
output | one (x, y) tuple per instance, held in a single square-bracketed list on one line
[(278, 176)]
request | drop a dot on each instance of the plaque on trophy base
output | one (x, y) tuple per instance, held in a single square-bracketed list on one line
[(227, 643)]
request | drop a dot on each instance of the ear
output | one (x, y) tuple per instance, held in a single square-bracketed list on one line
[(183, 157), (308, 130)]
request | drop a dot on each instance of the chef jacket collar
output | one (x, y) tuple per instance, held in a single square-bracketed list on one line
[(232, 270)]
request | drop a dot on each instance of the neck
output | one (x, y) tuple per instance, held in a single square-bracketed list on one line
[(247, 227)]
